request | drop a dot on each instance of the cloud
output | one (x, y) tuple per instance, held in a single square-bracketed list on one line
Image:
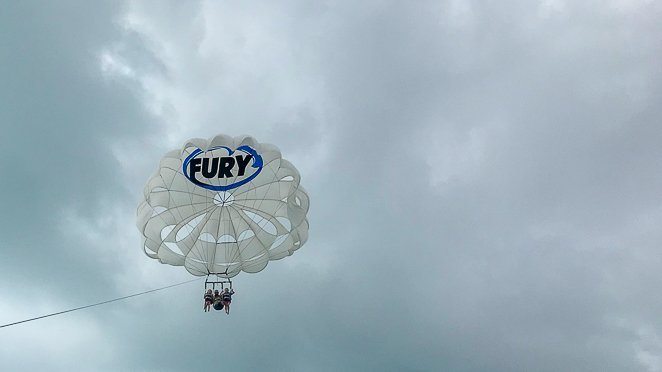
[(483, 178)]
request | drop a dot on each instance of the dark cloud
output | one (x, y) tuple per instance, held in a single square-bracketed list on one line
[(483, 180), (59, 120)]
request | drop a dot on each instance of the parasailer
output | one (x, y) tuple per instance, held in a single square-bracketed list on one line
[(218, 300), (222, 206), (227, 299), (209, 297)]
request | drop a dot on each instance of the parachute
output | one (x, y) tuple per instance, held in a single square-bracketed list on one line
[(222, 206)]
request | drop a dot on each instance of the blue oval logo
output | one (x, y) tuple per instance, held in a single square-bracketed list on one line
[(212, 169)]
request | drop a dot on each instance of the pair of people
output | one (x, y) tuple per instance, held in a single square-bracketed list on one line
[(220, 300)]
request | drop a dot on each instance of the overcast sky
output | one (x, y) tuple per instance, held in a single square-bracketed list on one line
[(485, 181)]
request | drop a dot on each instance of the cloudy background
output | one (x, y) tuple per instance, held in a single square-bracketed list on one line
[(484, 177)]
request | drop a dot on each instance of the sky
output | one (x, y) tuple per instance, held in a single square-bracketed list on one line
[(484, 179)]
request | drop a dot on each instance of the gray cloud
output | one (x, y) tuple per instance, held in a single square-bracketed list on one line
[(483, 180)]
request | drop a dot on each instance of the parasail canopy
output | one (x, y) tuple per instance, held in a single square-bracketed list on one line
[(222, 206)]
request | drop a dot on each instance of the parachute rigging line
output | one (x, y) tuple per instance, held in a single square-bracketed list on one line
[(99, 303)]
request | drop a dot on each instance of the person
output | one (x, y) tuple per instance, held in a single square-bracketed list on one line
[(208, 299), (218, 300), (227, 299)]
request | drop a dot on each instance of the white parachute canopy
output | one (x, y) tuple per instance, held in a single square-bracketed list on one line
[(222, 206)]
